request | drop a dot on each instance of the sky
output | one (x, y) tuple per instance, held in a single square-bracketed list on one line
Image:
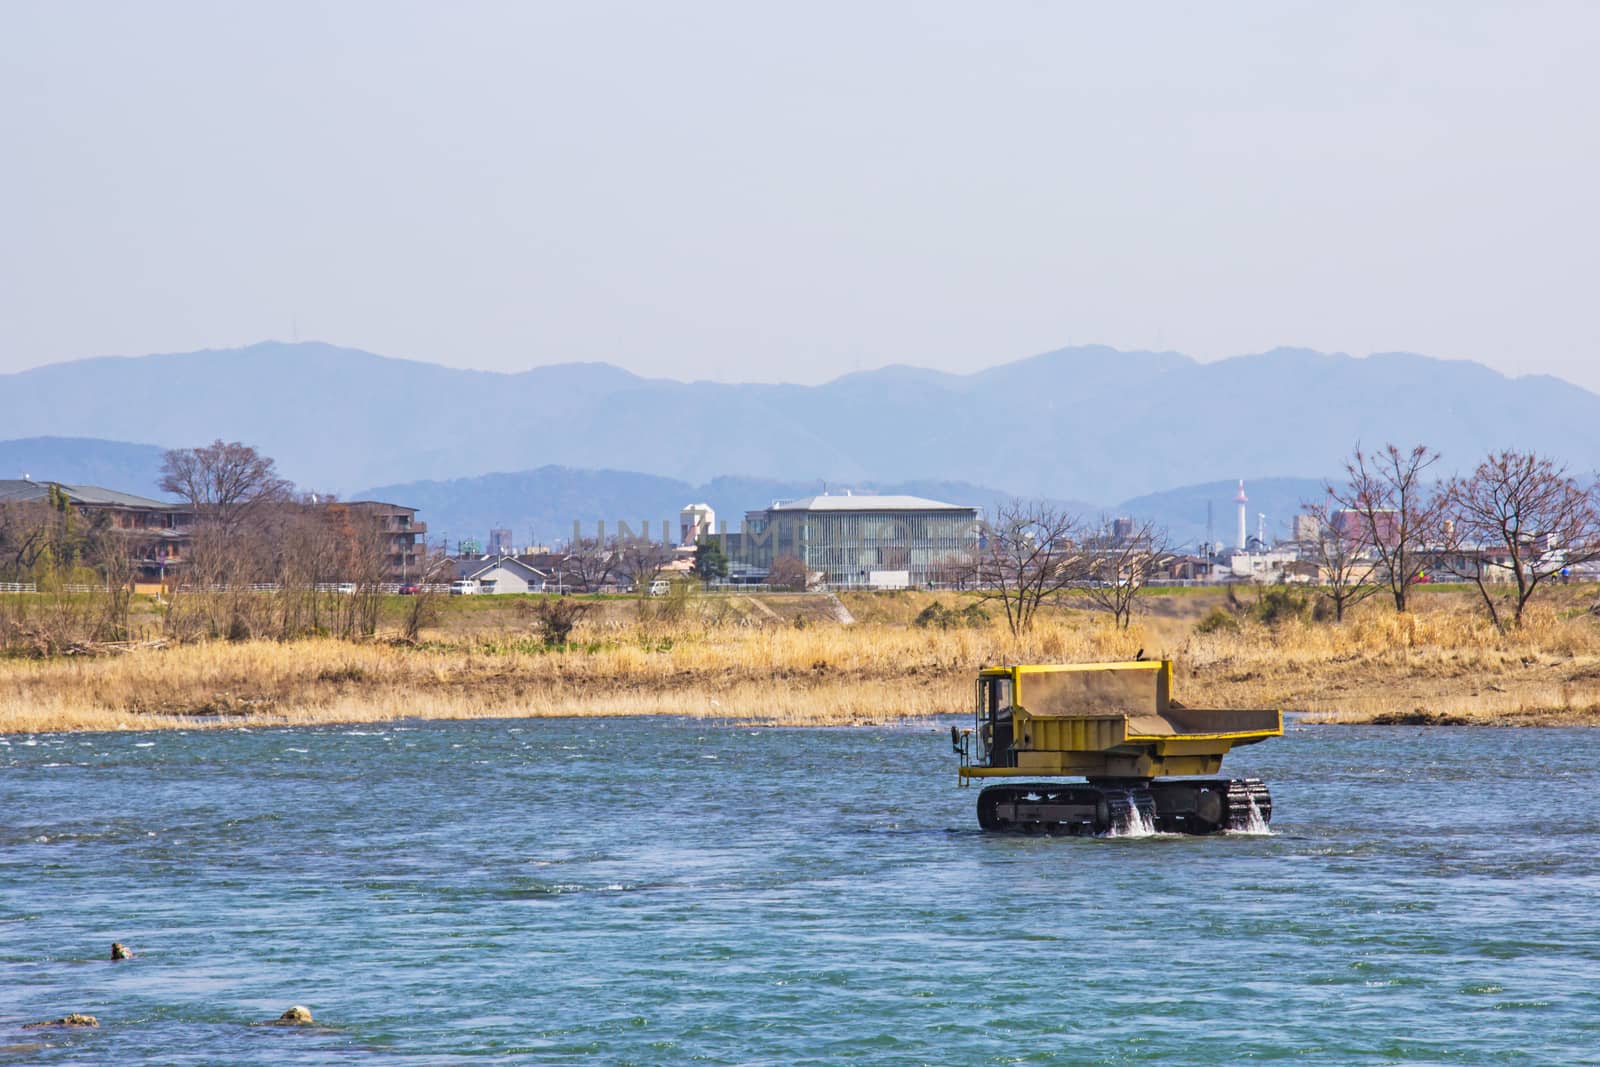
[(766, 192)]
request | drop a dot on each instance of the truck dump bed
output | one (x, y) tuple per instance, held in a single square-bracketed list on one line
[(1103, 720)]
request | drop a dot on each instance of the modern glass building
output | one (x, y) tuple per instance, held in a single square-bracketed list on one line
[(860, 541)]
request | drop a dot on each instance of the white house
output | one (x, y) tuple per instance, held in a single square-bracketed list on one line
[(502, 574)]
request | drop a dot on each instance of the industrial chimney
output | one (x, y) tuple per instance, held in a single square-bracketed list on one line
[(1242, 500)]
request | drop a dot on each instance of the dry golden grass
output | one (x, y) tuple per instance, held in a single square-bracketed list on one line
[(819, 674), (1441, 662)]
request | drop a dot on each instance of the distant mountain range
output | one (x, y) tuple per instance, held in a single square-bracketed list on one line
[(1087, 423), (540, 506), (84, 461)]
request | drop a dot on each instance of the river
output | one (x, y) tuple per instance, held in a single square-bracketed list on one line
[(664, 891)]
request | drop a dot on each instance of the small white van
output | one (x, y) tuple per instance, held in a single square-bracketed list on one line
[(464, 587)]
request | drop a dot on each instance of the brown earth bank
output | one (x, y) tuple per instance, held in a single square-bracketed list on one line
[(807, 659)]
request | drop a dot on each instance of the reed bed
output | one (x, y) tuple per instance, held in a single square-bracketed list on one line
[(1438, 665), (816, 675), (1441, 663)]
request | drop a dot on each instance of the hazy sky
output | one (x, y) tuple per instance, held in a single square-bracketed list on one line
[(791, 192)]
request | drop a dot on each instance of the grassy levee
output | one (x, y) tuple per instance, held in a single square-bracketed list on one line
[(790, 660)]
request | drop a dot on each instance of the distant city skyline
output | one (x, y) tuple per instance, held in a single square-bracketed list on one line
[(728, 192)]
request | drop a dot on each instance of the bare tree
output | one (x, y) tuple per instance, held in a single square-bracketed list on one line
[(1394, 510), (212, 594), (305, 556), (789, 572), (115, 555), (233, 491), (223, 483), (1027, 556), (1348, 571), (45, 540), (641, 561), (424, 605), (1526, 510), (27, 536), (48, 542), (959, 570), (365, 569), (1117, 567), (590, 562)]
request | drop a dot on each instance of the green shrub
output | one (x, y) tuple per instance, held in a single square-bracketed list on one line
[(937, 615), (555, 617), (1280, 603), (1218, 620)]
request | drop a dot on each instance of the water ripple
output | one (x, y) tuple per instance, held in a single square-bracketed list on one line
[(664, 891)]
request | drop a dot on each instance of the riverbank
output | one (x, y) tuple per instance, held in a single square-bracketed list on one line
[(800, 660)]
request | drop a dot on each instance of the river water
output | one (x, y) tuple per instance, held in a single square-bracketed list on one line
[(664, 891)]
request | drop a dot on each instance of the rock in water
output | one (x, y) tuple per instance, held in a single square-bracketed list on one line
[(66, 1020), (299, 1015), (119, 951)]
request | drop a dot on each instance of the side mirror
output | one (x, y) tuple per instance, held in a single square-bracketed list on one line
[(955, 739)]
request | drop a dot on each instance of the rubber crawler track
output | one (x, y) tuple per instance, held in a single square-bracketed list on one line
[(1168, 805)]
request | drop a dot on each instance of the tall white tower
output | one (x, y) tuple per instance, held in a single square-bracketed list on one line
[(694, 522), (1242, 500)]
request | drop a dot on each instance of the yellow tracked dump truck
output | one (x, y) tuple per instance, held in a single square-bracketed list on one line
[(1148, 762)]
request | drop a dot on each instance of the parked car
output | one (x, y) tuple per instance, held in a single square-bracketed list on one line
[(659, 587), (410, 589), (464, 587), (347, 587)]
